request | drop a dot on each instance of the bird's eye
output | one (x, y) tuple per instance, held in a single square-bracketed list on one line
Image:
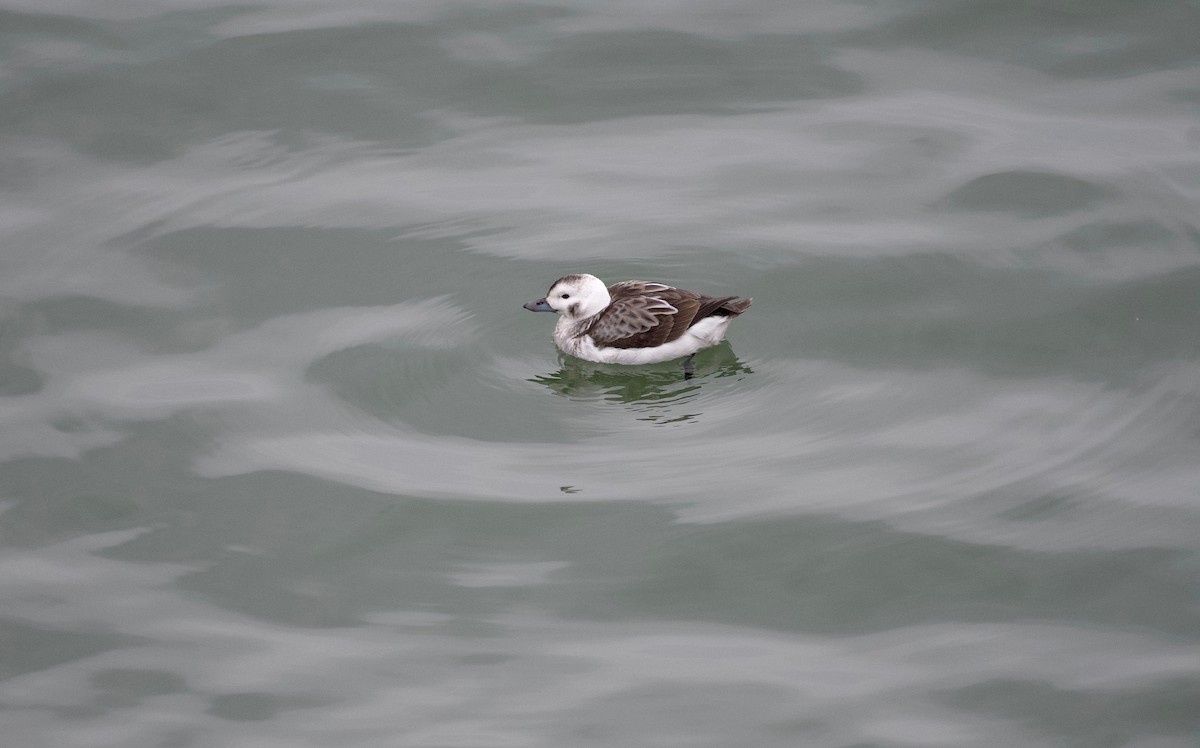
[(566, 296)]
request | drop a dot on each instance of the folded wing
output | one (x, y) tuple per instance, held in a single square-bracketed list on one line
[(644, 315)]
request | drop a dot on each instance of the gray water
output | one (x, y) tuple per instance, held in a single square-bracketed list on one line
[(284, 463)]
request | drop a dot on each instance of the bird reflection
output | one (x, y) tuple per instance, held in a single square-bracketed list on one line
[(659, 391)]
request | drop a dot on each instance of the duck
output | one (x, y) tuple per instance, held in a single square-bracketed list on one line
[(634, 321)]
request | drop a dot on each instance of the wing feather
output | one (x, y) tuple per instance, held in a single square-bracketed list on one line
[(629, 319), (644, 314)]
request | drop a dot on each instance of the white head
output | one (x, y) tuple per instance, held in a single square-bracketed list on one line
[(576, 296)]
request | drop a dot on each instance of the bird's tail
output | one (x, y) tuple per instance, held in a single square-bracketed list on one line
[(735, 307)]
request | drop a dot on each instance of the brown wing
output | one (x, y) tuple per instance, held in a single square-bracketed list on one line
[(643, 315), (634, 322)]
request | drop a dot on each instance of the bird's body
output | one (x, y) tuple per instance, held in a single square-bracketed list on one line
[(634, 322)]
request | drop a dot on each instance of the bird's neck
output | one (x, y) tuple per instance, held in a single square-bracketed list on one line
[(596, 302)]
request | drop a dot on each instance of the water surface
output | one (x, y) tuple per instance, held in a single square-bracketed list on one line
[(284, 462)]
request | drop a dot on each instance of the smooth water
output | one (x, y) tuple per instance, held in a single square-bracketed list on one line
[(283, 462)]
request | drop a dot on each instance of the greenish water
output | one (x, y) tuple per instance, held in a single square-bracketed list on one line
[(284, 462)]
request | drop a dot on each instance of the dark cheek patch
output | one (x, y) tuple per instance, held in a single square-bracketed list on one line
[(574, 309)]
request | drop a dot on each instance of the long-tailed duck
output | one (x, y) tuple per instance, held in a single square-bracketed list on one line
[(634, 322)]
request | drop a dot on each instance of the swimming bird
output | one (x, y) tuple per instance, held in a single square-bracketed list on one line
[(634, 322)]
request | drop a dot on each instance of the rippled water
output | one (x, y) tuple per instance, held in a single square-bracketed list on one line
[(284, 462)]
